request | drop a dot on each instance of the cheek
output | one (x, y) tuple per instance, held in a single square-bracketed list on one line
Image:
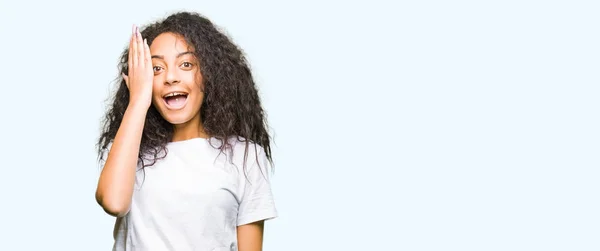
[(199, 83), (156, 85), (196, 79)]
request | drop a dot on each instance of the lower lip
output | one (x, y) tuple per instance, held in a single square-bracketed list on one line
[(179, 107)]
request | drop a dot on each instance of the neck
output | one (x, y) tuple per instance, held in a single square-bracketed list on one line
[(189, 130)]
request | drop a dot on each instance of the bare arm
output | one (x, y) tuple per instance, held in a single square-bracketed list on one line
[(250, 236), (115, 186)]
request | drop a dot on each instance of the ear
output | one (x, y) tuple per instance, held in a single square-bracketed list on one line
[(126, 79)]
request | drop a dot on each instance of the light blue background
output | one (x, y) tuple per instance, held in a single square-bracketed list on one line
[(415, 125)]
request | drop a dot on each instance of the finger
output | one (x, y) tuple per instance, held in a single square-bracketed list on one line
[(130, 53), (147, 55), (140, 46), (126, 79), (134, 47)]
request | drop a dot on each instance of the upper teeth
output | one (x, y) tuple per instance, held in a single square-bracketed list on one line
[(174, 94)]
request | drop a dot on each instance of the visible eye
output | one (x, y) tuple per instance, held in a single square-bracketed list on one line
[(156, 68), (187, 64)]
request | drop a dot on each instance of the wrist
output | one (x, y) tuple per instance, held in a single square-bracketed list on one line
[(138, 106)]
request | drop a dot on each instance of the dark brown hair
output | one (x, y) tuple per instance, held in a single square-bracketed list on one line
[(231, 107)]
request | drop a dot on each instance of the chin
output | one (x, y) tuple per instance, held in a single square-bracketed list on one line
[(177, 120), (177, 117), (173, 120)]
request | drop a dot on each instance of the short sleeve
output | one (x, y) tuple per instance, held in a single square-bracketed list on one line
[(257, 201)]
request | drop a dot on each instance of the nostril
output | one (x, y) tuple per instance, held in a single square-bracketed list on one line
[(171, 82)]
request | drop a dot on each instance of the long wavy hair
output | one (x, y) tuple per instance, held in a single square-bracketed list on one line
[(231, 107)]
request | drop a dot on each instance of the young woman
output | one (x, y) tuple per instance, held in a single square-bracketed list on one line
[(185, 146)]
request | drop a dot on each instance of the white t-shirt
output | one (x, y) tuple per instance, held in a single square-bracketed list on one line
[(194, 199)]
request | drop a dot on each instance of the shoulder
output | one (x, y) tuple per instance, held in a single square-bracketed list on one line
[(241, 151), (240, 145)]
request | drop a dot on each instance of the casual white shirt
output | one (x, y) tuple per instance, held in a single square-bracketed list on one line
[(195, 198)]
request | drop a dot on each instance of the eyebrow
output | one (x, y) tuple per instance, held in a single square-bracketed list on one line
[(178, 55)]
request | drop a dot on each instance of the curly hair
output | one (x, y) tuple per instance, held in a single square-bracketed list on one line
[(231, 105)]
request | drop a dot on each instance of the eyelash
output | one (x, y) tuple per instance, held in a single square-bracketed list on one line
[(188, 63)]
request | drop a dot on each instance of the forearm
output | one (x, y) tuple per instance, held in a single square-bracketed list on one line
[(115, 186)]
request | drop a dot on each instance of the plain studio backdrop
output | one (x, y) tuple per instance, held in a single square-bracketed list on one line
[(412, 125)]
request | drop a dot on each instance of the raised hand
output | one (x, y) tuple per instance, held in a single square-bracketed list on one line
[(140, 76)]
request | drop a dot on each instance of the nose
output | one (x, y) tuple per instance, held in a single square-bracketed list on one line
[(172, 77)]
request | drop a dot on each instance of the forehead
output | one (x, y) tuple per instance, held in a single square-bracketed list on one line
[(169, 44)]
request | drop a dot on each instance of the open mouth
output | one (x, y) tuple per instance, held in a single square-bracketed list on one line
[(175, 100)]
